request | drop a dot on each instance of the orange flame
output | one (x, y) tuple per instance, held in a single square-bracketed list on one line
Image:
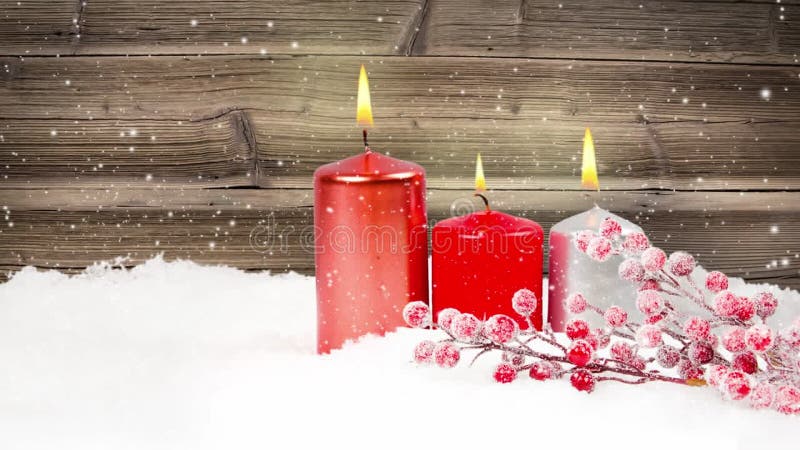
[(589, 169), (480, 180), (364, 111)]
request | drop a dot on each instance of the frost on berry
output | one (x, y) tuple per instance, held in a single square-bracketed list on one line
[(700, 353), (445, 317), (655, 318), (580, 353), (648, 336), (745, 308), (759, 338), (668, 356), (599, 249), (635, 243), (577, 329), (716, 373), (787, 400), (423, 352), (505, 373), (762, 396), (653, 259), (736, 385), (524, 302), (733, 340), (465, 327), (631, 270), (576, 303), (582, 380), (541, 370), (697, 328), (716, 281), (688, 370), (622, 351), (726, 303), (649, 302), (515, 359), (615, 316), (650, 285), (680, 264), (582, 239), (766, 304), (610, 228), (746, 362), (446, 354), (417, 314), (500, 329), (791, 336)]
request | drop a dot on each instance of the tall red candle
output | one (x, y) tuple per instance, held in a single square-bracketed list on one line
[(371, 245), (480, 260)]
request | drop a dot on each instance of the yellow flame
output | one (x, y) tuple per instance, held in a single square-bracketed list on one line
[(480, 180), (364, 111), (589, 169)]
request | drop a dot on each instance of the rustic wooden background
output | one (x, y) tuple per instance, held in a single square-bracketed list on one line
[(130, 128)]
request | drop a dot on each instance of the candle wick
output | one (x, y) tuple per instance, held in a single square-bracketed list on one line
[(366, 145), (485, 200)]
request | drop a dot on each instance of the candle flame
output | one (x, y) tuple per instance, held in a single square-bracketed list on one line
[(480, 180), (364, 111), (589, 169)]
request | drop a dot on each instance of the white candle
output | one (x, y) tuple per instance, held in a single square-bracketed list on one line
[(572, 271)]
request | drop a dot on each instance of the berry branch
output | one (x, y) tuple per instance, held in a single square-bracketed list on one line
[(693, 334)]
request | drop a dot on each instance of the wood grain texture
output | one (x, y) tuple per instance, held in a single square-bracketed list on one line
[(271, 229), (657, 125), (699, 31), (39, 27)]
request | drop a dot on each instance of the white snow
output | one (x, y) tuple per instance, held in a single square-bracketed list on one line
[(181, 356)]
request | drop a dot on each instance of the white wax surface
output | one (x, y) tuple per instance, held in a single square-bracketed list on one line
[(572, 271)]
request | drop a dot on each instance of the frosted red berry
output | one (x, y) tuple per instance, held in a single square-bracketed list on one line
[(653, 259), (668, 356), (655, 318), (787, 400), (576, 329), (465, 327), (726, 303), (576, 303), (689, 371), (766, 304), (580, 353), (599, 248), (635, 243), (700, 353), (524, 302), (759, 338), (582, 380), (716, 281), (423, 352), (716, 373), (648, 336), (515, 359), (610, 228), (541, 370), (417, 314), (446, 354), (650, 285), (746, 362), (762, 396), (500, 329), (697, 328), (639, 363), (582, 239), (791, 336), (631, 270), (680, 264), (745, 308), (622, 351), (505, 373), (649, 302), (733, 340), (445, 317), (615, 316), (736, 385)]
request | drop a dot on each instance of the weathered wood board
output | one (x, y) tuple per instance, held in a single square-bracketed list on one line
[(755, 235), (251, 121)]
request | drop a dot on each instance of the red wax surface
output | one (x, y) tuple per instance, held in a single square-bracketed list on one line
[(371, 245), (482, 259)]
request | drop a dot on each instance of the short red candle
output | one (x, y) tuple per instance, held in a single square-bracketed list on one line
[(480, 260), (371, 245)]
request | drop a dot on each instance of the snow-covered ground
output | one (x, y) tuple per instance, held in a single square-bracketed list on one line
[(180, 356)]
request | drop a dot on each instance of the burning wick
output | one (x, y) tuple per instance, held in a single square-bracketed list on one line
[(366, 145)]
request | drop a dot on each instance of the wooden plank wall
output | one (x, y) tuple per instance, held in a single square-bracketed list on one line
[(192, 128)]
